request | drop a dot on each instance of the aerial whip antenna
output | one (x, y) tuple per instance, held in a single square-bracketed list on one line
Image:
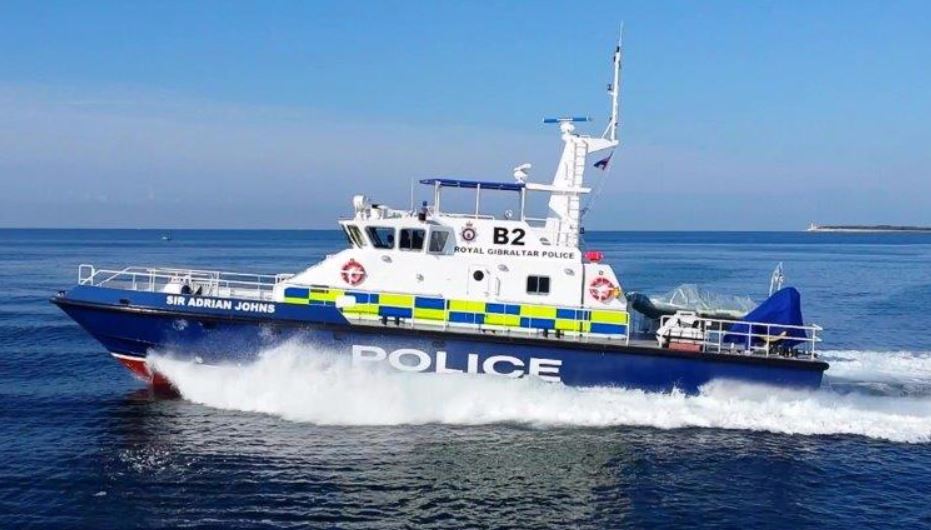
[(610, 134), (614, 89)]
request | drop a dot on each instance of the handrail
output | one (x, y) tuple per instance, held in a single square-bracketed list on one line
[(710, 334), (469, 216), (204, 282)]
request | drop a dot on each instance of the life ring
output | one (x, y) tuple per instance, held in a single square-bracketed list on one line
[(353, 272), (602, 289)]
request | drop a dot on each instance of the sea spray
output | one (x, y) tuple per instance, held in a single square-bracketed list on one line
[(297, 383), (891, 366)]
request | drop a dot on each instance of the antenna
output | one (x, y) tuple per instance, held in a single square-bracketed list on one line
[(777, 279), (614, 89), (412, 195)]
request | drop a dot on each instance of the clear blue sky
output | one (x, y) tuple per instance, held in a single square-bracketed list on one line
[(738, 115)]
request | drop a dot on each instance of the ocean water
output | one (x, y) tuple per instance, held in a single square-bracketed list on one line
[(298, 440)]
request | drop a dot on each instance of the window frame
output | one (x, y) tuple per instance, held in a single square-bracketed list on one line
[(445, 231), (348, 237), (423, 239), (537, 291), (355, 235), (371, 230)]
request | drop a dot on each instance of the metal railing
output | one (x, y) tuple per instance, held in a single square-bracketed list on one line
[(715, 335), (469, 215), (219, 284)]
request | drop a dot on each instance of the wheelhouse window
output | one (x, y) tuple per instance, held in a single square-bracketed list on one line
[(381, 236), (438, 239), (412, 238), (355, 236), (538, 285)]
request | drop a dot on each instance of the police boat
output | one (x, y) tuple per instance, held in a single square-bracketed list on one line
[(438, 291)]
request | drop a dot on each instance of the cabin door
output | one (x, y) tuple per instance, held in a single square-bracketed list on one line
[(480, 282)]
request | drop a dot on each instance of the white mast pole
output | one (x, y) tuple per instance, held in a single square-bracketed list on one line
[(611, 132)]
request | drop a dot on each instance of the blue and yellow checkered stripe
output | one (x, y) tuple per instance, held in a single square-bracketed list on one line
[(425, 308)]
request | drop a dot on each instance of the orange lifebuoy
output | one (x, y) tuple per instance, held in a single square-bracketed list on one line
[(602, 289), (353, 272)]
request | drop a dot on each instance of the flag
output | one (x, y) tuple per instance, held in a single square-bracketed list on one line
[(603, 163)]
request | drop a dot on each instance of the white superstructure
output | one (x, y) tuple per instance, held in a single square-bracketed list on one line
[(509, 258)]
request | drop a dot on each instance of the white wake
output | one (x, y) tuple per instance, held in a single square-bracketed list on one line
[(887, 366), (293, 382)]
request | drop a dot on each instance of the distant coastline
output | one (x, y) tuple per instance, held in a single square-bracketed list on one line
[(867, 228)]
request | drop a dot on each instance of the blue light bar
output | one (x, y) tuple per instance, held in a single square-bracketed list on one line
[(473, 184), (569, 119)]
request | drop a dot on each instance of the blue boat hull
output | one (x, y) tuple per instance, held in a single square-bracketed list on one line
[(130, 324)]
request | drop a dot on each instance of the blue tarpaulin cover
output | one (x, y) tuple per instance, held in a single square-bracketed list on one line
[(783, 307)]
